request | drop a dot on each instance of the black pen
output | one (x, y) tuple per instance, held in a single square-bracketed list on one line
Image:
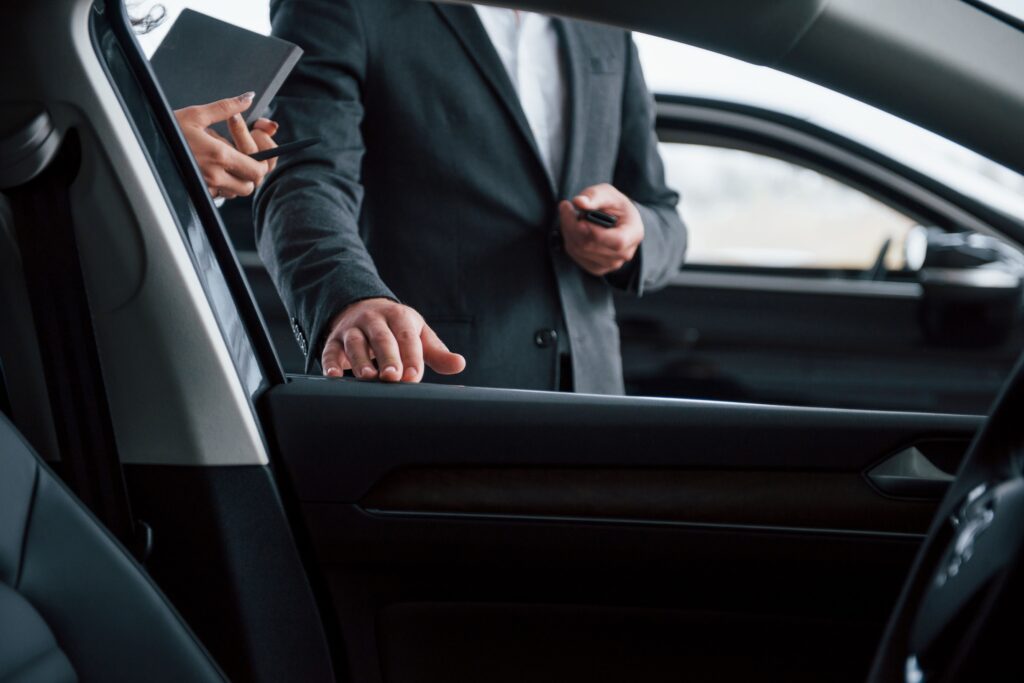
[(605, 220), (286, 148)]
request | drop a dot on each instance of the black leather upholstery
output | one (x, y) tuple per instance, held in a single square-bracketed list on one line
[(73, 604)]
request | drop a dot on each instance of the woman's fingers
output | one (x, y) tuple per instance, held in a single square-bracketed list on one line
[(205, 115), (267, 126), (224, 155), (242, 166), (246, 145), (229, 186), (264, 141), (227, 168), (241, 135)]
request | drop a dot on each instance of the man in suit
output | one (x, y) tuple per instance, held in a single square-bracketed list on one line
[(433, 212)]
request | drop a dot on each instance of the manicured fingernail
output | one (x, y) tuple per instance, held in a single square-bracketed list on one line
[(332, 372), (391, 370), (410, 374), (366, 373), (247, 96)]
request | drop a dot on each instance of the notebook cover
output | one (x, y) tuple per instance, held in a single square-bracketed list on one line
[(203, 59)]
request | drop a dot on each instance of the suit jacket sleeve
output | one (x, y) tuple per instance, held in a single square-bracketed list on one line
[(640, 175), (307, 211)]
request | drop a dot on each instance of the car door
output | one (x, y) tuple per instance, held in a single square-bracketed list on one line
[(473, 534), (460, 533)]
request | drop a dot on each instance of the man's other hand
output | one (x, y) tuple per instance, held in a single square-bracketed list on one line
[(599, 250), (393, 334)]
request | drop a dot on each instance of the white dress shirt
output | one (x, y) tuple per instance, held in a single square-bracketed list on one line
[(528, 46)]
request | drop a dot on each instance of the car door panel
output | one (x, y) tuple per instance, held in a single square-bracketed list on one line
[(741, 339), (519, 535)]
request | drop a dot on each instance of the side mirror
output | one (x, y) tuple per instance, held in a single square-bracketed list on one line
[(972, 284)]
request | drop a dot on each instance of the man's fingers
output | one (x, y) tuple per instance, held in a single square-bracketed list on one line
[(599, 251), (358, 351), (603, 196), (614, 240), (437, 356), (385, 348), (592, 239), (346, 364), (583, 202), (396, 336), (208, 114), (241, 135), (567, 216), (331, 360), (593, 265), (405, 325)]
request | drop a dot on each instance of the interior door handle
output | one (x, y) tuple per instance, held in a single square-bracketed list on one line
[(909, 474)]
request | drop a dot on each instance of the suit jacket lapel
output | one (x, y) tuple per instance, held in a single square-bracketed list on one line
[(578, 86), (466, 25)]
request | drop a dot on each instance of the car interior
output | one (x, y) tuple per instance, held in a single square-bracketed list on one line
[(178, 503), (74, 605)]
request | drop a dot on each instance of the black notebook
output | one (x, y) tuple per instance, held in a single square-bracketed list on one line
[(203, 59)]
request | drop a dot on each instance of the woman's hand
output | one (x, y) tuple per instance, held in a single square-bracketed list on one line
[(228, 170)]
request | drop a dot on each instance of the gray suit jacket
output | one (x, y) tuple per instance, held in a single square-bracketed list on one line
[(428, 187)]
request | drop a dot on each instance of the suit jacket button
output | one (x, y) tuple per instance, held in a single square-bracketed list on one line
[(545, 338)]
